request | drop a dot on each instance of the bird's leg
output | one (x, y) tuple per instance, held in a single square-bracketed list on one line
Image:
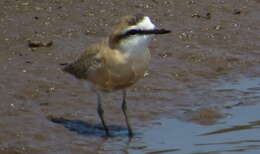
[(100, 112), (124, 108)]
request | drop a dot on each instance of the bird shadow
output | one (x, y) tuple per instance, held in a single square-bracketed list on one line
[(87, 129)]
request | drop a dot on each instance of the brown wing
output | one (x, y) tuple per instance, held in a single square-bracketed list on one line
[(85, 62)]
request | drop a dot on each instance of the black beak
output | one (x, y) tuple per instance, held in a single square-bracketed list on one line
[(141, 32), (157, 31), (147, 32)]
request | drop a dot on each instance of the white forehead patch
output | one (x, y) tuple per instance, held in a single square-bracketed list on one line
[(145, 24)]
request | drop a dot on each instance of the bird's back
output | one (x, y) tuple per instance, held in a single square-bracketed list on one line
[(81, 66)]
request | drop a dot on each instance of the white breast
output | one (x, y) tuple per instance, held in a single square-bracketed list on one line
[(136, 49), (135, 45)]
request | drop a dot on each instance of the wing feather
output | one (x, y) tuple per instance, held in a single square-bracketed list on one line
[(81, 66)]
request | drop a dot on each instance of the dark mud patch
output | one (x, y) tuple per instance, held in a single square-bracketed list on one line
[(204, 116)]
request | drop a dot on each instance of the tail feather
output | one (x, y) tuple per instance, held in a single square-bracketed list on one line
[(75, 69)]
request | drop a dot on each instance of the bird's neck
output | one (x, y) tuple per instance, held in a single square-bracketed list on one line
[(134, 45)]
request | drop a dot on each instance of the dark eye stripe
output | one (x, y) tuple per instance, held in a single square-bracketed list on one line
[(147, 32), (142, 32)]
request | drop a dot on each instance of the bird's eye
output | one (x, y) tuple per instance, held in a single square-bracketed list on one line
[(135, 19), (132, 22)]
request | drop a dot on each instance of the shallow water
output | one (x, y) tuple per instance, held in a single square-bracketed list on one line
[(237, 132)]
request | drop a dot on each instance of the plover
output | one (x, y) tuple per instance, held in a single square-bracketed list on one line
[(118, 61)]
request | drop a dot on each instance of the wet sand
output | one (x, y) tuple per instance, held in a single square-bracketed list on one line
[(44, 110)]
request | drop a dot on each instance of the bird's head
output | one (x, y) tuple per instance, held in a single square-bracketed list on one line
[(133, 30)]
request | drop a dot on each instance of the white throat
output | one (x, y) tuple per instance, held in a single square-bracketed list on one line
[(135, 44)]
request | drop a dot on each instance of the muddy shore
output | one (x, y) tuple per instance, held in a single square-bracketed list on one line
[(212, 42)]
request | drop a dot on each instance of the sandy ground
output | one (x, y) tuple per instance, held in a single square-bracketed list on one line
[(211, 42)]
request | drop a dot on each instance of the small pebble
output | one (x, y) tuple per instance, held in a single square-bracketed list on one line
[(218, 27), (35, 44), (207, 16), (236, 12), (146, 74)]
